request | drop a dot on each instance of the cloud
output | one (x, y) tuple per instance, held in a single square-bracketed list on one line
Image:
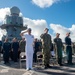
[(57, 28), (36, 25), (47, 3), (44, 3), (2, 33), (3, 12)]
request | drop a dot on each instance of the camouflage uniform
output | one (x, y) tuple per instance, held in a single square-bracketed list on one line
[(22, 46), (58, 47), (73, 49), (46, 43)]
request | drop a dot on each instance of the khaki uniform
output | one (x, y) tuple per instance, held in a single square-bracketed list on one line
[(22, 45), (46, 43), (73, 49), (58, 45)]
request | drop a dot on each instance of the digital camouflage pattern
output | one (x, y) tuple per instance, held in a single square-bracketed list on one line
[(22, 45), (46, 43)]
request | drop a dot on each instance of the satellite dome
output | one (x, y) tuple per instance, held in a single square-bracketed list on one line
[(15, 10)]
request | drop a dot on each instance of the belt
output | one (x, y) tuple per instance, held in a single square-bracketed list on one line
[(68, 45)]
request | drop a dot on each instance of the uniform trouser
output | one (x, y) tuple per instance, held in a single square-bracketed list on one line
[(73, 51), (35, 56), (69, 54), (59, 55), (0, 56), (6, 57), (15, 56), (11, 55), (29, 60), (19, 54), (46, 56), (0, 53)]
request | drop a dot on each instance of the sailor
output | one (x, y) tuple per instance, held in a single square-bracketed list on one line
[(29, 48)]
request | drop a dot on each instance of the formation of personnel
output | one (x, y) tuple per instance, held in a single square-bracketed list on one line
[(31, 46), (11, 50), (58, 46)]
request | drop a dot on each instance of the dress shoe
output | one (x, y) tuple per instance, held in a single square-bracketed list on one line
[(45, 67), (70, 64), (49, 66), (27, 69), (61, 64)]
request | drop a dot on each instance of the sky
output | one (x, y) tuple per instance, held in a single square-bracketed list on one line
[(57, 15)]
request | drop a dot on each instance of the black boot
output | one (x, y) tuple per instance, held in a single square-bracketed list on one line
[(61, 64), (45, 67), (49, 66)]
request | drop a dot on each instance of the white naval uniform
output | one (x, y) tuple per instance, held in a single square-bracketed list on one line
[(29, 50)]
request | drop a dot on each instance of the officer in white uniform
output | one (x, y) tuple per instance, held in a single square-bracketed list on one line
[(29, 48)]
